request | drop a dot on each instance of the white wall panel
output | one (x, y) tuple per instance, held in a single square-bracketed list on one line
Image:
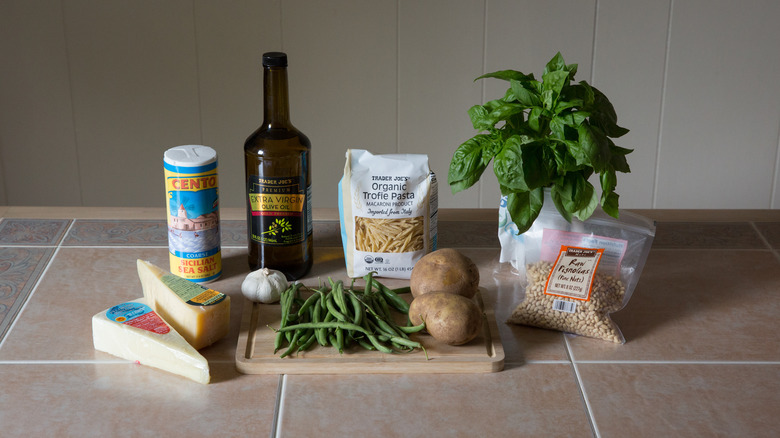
[(92, 93), (231, 41), (37, 138), (441, 46), (776, 186), (135, 94), (343, 81), (523, 37), (720, 122), (629, 59)]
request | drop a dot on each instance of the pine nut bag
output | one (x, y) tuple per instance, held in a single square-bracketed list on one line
[(388, 207), (576, 274)]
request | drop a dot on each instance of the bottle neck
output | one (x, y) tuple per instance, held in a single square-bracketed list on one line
[(276, 106)]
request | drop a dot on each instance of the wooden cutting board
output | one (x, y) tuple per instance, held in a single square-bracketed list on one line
[(255, 351)]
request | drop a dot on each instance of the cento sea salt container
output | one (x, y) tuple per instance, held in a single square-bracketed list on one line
[(192, 192)]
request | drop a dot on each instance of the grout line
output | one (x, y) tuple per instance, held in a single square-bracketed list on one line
[(116, 246), (591, 419), (677, 362), (198, 84), (278, 406), (775, 177), (67, 362), (657, 174), (760, 235), (68, 67), (40, 278), (593, 42), (479, 185), (398, 76), (30, 295), (281, 27)]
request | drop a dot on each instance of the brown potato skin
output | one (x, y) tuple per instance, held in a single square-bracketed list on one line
[(444, 270), (449, 318)]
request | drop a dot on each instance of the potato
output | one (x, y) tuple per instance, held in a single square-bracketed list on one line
[(449, 318), (444, 270)]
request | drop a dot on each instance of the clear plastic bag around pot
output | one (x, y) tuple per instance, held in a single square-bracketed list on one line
[(574, 275)]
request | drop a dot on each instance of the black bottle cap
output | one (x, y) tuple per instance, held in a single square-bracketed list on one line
[(274, 59)]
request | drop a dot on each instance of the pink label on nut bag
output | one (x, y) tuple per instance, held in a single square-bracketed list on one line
[(614, 249)]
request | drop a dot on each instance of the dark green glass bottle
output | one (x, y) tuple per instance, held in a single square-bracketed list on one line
[(277, 160)]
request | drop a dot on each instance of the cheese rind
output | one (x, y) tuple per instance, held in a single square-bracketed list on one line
[(133, 331), (199, 314)]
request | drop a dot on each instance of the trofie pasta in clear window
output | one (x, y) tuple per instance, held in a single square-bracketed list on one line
[(388, 211)]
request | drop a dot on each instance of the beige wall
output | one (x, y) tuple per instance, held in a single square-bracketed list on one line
[(93, 92)]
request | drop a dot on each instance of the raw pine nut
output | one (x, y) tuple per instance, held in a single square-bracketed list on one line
[(591, 318)]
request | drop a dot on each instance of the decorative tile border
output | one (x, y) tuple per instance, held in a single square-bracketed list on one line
[(326, 233), (476, 234), (36, 232), (233, 232), (117, 232), (707, 235), (19, 270), (771, 232)]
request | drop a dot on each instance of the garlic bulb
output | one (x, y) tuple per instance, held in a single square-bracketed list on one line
[(264, 285)]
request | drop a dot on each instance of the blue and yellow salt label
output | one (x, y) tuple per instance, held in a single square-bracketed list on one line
[(193, 221)]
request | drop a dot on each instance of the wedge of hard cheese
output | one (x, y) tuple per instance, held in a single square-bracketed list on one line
[(133, 331), (199, 314)]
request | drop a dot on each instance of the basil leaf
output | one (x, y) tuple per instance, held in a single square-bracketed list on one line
[(555, 81), (507, 75), (504, 111), (524, 208), (470, 161), (479, 118), (572, 69), (569, 192), (566, 104), (555, 64), (590, 202), (609, 203), (491, 105), (582, 92), (608, 180), (604, 115), (618, 158), (577, 196), (521, 165), (527, 97), (555, 192), (548, 99), (594, 147), (533, 118), (564, 160), (572, 119)]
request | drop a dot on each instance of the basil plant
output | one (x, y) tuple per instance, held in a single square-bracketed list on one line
[(552, 133)]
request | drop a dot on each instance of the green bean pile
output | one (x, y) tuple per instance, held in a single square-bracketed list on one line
[(341, 317)]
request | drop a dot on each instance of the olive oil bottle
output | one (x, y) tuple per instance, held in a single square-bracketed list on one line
[(277, 159)]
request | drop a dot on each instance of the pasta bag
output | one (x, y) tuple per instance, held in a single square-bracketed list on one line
[(388, 212)]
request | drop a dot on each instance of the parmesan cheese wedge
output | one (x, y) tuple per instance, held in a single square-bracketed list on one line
[(133, 331), (199, 314)]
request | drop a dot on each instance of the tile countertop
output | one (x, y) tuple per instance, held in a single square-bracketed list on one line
[(702, 356)]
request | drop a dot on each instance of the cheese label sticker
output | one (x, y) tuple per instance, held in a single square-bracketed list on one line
[(192, 293), (573, 272), (139, 316)]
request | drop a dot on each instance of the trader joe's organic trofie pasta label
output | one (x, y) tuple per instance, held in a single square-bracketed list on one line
[(192, 190)]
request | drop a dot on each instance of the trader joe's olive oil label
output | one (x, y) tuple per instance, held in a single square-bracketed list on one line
[(280, 213), (192, 190)]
